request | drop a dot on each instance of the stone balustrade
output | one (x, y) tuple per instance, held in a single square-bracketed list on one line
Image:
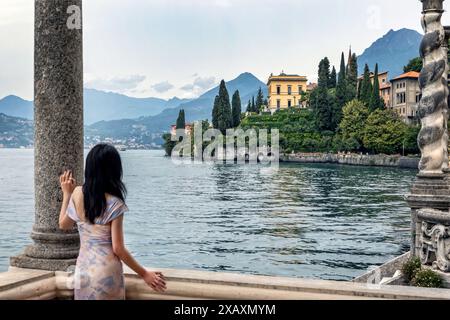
[(26, 284)]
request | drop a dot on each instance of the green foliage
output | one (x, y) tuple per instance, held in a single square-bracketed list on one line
[(384, 132), (410, 268), (414, 65), (215, 113), (181, 120), (341, 93), (322, 101), (221, 114), (236, 109), (410, 140), (168, 144), (355, 115), (366, 87), (427, 278), (375, 100), (352, 78), (333, 79), (259, 100), (297, 130)]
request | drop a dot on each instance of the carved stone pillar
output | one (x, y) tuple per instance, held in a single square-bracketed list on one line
[(58, 114), (430, 195)]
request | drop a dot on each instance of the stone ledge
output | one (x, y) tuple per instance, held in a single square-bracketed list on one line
[(193, 285)]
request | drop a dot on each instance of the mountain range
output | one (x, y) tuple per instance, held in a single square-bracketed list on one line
[(113, 115), (99, 105), (391, 52)]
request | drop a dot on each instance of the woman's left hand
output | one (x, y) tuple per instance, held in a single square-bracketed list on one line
[(67, 182)]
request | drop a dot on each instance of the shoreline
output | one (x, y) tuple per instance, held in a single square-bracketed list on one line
[(354, 159)]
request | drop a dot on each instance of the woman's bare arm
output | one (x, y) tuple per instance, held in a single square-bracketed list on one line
[(67, 186), (153, 279)]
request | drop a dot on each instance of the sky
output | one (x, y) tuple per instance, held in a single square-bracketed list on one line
[(167, 48)]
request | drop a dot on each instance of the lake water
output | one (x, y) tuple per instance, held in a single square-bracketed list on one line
[(315, 221)]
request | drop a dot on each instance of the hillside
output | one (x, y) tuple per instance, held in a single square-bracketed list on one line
[(391, 52)]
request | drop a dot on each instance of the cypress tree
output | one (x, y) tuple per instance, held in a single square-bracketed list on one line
[(224, 110), (341, 93), (375, 99), (215, 113), (249, 106), (253, 105), (181, 120), (321, 100), (366, 87), (259, 100), (332, 83), (236, 109), (352, 78)]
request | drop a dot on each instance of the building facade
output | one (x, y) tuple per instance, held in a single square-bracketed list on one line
[(405, 96), (286, 91)]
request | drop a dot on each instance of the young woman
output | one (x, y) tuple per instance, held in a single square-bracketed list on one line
[(97, 208)]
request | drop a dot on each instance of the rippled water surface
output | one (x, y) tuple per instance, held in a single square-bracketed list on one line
[(317, 221)]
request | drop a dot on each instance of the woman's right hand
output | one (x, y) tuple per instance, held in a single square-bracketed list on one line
[(155, 280)]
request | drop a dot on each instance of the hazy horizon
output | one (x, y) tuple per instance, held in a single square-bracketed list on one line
[(182, 49)]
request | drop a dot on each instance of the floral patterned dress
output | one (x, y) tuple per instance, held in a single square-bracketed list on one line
[(98, 274)]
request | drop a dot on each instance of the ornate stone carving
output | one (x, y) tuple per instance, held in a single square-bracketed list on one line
[(435, 246), (433, 107)]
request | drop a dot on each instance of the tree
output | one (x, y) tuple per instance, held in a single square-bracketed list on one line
[(333, 76), (181, 120), (253, 105), (352, 78), (384, 132), (341, 93), (249, 106), (236, 109), (224, 108), (366, 87), (259, 100), (354, 117), (375, 100), (414, 65), (215, 113), (324, 73), (321, 101)]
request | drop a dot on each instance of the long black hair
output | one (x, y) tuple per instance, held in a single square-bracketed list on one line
[(102, 175)]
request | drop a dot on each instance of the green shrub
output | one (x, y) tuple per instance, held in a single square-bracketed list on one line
[(410, 268), (427, 279)]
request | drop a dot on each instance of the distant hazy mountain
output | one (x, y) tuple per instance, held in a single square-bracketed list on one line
[(198, 109), (98, 106), (104, 106), (391, 52), (15, 132), (16, 107)]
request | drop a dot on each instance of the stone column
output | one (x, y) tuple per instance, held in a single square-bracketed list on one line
[(430, 195), (58, 116)]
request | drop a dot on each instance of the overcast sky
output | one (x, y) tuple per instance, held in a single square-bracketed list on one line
[(167, 48)]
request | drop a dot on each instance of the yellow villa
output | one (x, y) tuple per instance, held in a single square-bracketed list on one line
[(286, 90)]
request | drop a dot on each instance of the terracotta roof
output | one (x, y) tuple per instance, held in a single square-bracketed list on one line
[(411, 74)]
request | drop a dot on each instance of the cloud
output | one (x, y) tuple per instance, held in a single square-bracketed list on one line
[(119, 84), (200, 84), (162, 87)]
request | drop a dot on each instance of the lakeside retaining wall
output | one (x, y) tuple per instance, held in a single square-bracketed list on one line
[(378, 160)]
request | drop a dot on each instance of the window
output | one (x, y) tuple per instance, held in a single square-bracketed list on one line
[(289, 90), (289, 103), (278, 104), (300, 89), (278, 90)]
